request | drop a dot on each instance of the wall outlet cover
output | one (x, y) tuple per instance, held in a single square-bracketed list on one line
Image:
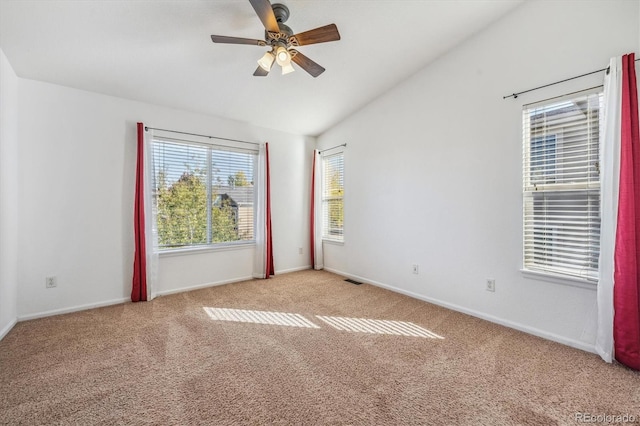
[(491, 284)]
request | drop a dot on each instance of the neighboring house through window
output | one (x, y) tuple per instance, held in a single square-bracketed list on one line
[(561, 186)]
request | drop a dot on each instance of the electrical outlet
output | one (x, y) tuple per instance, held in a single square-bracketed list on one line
[(491, 284), (414, 269), (299, 250), (51, 282)]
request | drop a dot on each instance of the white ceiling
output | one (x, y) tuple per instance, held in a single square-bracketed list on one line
[(161, 52)]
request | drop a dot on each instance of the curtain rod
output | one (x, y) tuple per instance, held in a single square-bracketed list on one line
[(515, 95), (202, 136), (337, 146)]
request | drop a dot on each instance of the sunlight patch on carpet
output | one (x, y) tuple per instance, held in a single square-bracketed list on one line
[(259, 317), (361, 325)]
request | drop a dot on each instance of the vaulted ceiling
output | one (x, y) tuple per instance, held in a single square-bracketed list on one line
[(161, 52)]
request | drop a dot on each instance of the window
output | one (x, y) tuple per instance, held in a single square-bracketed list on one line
[(332, 196), (203, 194), (561, 186)]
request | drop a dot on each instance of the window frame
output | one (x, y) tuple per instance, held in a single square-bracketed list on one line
[(201, 142), (589, 189), (325, 199)]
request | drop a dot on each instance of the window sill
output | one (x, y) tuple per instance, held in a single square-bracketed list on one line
[(334, 242), (559, 279), (207, 249)]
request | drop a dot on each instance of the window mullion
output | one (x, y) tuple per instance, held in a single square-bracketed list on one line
[(209, 200)]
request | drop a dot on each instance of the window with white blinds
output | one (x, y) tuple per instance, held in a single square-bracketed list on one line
[(332, 196), (561, 186), (203, 194)]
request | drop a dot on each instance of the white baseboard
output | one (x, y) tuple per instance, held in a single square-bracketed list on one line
[(201, 286), (73, 309), (124, 300), (297, 269), (8, 328), (507, 323), (231, 281)]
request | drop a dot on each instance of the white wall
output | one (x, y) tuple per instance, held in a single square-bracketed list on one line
[(8, 195), (76, 170), (433, 168)]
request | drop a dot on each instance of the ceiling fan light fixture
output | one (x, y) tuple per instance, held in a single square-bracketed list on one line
[(283, 57), (266, 62), (287, 68)]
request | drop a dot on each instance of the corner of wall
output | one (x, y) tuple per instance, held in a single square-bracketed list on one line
[(8, 196)]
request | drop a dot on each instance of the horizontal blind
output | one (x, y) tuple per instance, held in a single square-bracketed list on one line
[(332, 196), (561, 186), (204, 194)]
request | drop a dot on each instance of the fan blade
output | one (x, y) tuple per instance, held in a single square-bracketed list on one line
[(318, 35), (265, 13), (260, 72), (307, 64), (236, 40)]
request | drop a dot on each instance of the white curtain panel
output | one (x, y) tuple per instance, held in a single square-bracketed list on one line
[(260, 210), (150, 220), (318, 259), (609, 187)]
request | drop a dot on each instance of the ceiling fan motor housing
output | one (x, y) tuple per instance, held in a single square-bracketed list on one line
[(281, 11), (282, 14)]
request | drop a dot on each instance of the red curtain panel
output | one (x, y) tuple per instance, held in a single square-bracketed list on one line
[(139, 285), (626, 293), (312, 224), (270, 270)]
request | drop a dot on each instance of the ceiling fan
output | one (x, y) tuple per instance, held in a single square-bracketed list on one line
[(282, 41)]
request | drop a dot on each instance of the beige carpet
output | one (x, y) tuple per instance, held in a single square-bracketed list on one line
[(173, 362)]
